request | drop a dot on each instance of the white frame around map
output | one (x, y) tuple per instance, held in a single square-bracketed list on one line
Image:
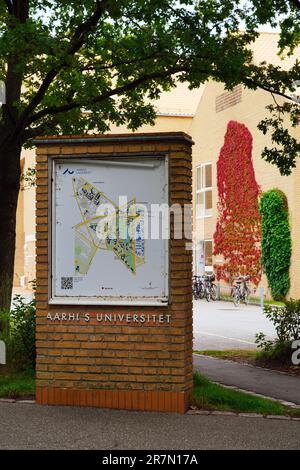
[(142, 162)]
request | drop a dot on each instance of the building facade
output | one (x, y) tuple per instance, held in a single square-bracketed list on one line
[(216, 108), (248, 108)]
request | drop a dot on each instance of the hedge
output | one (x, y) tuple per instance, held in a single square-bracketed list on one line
[(276, 242)]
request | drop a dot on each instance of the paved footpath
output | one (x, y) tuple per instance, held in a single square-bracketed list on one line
[(25, 426), (255, 379)]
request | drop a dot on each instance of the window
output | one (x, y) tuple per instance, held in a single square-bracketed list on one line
[(208, 253), (203, 257), (229, 98), (204, 190)]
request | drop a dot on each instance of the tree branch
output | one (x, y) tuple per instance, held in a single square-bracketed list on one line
[(76, 43), (296, 3), (97, 99), (10, 7), (39, 130), (14, 76), (265, 88), (92, 66)]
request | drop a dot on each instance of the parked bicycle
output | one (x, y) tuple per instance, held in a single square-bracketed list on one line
[(203, 286), (198, 287), (210, 289), (240, 290)]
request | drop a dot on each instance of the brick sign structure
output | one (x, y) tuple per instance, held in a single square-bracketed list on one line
[(111, 350)]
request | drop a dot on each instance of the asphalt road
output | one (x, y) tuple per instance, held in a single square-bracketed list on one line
[(42, 427), (221, 325)]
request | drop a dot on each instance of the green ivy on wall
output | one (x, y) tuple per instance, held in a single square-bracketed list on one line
[(276, 242)]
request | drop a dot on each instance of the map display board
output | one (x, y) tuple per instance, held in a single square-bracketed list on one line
[(102, 246)]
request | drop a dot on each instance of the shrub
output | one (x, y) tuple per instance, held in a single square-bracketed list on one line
[(276, 242), (287, 325), (19, 334)]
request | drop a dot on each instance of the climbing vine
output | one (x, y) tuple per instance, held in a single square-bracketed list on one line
[(237, 238), (276, 242)]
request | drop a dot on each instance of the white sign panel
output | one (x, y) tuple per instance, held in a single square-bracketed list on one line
[(104, 248)]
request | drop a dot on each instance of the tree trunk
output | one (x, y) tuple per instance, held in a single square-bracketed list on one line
[(9, 191)]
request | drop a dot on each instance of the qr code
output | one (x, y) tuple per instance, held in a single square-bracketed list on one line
[(67, 283)]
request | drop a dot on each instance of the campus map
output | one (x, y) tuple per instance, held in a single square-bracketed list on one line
[(103, 225)]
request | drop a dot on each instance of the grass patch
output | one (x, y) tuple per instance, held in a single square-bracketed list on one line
[(210, 396), (17, 384), (253, 300), (229, 353), (274, 302)]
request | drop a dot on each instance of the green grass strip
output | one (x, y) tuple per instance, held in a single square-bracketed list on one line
[(17, 384), (211, 396)]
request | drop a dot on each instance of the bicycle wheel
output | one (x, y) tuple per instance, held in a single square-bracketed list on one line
[(246, 296), (201, 291), (236, 298), (195, 290), (213, 292), (196, 294), (208, 294)]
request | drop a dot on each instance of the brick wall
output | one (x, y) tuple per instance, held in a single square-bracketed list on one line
[(228, 99), (117, 365)]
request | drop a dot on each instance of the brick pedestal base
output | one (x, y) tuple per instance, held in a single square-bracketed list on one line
[(137, 366), (125, 400)]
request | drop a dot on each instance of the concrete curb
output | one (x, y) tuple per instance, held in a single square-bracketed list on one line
[(259, 395), (239, 415), (190, 411), (15, 400)]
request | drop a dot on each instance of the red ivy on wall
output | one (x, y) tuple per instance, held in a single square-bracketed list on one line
[(237, 237)]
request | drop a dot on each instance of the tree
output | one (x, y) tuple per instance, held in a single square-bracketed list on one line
[(286, 147), (74, 66), (276, 242), (237, 236)]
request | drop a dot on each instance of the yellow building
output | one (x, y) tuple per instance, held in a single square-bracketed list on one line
[(204, 114), (24, 271), (216, 108)]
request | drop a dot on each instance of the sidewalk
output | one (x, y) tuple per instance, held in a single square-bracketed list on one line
[(53, 427), (255, 379)]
